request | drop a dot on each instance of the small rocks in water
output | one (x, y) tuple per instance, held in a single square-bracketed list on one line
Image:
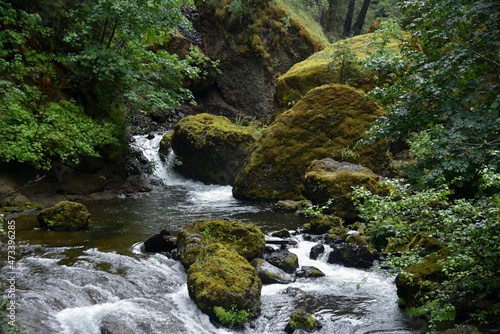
[(283, 259), (284, 233), (351, 255), (316, 251), (301, 320), (309, 271), (151, 136), (270, 274), (161, 242)]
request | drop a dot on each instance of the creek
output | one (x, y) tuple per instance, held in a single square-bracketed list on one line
[(100, 281)]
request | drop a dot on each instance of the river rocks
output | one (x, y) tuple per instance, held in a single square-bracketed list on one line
[(316, 251), (301, 320), (64, 216), (211, 148), (221, 277), (166, 143), (283, 259), (291, 206), (270, 274), (255, 43), (309, 271), (326, 67), (352, 255), (321, 223), (330, 181), (327, 122), (245, 239), (161, 242)]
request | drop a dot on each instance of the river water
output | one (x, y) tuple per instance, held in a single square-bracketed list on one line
[(100, 280)]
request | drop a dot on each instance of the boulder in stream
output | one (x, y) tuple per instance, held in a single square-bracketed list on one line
[(161, 242), (283, 259), (244, 238), (301, 320), (64, 216), (270, 274), (309, 271), (211, 148), (351, 254), (221, 281)]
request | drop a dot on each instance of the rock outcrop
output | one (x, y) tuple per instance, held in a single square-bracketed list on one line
[(330, 181), (327, 122), (211, 148), (64, 216)]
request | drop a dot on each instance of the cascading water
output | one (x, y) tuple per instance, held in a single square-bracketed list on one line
[(100, 281)]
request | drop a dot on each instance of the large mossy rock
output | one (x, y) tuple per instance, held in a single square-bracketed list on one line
[(211, 148), (64, 216), (245, 239), (326, 67), (270, 274), (328, 179), (221, 277), (255, 41), (327, 122)]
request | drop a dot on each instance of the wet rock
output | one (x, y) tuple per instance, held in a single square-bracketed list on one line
[(64, 216), (351, 255), (161, 242), (291, 206), (221, 277), (211, 148), (246, 239), (321, 223), (283, 259), (309, 271), (327, 122), (301, 320), (284, 233), (270, 274), (316, 251)]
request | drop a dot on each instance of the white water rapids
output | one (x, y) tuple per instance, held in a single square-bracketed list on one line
[(104, 283)]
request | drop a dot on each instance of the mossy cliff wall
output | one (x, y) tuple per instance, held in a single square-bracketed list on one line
[(327, 122), (255, 41)]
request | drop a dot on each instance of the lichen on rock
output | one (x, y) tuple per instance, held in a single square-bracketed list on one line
[(221, 277), (211, 148), (64, 216), (327, 122), (244, 238)]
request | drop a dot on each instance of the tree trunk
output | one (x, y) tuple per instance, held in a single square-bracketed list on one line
[(361, 18), (348, 19)]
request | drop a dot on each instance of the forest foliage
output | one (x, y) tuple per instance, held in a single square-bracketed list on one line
[(67, 69)]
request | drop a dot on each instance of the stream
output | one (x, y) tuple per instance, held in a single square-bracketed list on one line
[(99, 281)]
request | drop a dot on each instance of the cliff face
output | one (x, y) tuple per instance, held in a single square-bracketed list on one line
[(255, 42)]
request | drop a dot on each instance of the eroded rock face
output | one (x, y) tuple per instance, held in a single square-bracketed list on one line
[(221, 277), (211, 148), (64, 216), (245, 239), (327, 122), (255, 43), (330, 180)]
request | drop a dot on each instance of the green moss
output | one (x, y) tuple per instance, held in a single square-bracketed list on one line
[(221, 277), (322, 68), (357, 239), (302, 320), (64, 215), (244, 238), (321, 223)]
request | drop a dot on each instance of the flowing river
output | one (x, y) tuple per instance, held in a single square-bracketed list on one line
[(99, 281)]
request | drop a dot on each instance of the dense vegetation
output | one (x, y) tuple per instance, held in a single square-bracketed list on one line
[(445, 104), (68, 68)]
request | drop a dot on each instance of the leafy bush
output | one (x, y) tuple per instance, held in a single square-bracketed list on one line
[(468, 229), (231, 317)]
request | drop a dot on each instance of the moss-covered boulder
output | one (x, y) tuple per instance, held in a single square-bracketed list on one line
[(255, 42), (322, 223), (338, 63), (166, 143), (244, 238), (301, 320), (309, 271), (211, 148), (291, 206), (283, 259), (328, 180), (327, 122), (64, 216), (222, 278), (270, 274), (419, 279)]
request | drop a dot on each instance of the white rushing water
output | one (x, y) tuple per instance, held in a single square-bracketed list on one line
[(90, 290)]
